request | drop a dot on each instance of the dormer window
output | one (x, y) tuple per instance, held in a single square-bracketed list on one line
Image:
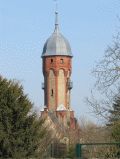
[(61, 61)]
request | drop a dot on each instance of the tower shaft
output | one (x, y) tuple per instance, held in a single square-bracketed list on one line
[(57, 72)]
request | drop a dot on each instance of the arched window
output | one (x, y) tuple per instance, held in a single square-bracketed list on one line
[(51, 60), (61, 61)]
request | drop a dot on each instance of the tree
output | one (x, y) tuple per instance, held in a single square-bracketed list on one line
[(21, 130), (114, 119), (93, 133), (107, 86), (107, 73)]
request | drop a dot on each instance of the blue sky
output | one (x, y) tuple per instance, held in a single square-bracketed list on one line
[(25, 25)]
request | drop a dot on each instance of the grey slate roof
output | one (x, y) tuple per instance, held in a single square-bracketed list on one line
[(56, 44)]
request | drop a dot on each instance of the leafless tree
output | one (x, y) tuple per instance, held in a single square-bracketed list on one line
[(107, 73), (93, 133)]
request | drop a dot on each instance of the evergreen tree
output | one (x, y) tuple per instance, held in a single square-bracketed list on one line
[(20, 130), (114, 124), (114, 120)]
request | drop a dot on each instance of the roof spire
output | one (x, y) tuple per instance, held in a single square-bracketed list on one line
[(56, 18), (56, 5)]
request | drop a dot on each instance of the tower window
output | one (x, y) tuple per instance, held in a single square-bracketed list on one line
[(51, 60), (51, 92), (61, 61)]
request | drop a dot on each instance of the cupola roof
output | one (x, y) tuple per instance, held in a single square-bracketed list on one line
[(56, 44)]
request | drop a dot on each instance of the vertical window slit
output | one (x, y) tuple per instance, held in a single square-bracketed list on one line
[(52, 92)]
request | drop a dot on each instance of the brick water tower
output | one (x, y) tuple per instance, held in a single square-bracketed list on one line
[(57, 68)]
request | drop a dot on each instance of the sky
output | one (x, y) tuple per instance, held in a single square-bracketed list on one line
[(25, 25)]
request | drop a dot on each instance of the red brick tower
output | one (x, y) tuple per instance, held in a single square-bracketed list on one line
[(57, 67)]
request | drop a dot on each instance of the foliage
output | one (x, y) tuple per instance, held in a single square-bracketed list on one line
[(71, 152), (93, 133), (114, 120), (107, 87), (20, 129)]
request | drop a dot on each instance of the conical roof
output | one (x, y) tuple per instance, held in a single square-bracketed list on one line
[(56, 44)]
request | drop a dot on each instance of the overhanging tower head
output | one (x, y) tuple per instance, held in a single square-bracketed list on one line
[(56, 44)]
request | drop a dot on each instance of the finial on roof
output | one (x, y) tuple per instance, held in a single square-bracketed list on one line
[(56, 5), (56, 18)]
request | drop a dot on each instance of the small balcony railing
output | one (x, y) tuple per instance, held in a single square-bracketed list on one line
[(43, 85), (70, 85)]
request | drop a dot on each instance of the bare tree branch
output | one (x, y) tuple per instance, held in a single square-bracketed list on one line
[(107, 71)]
